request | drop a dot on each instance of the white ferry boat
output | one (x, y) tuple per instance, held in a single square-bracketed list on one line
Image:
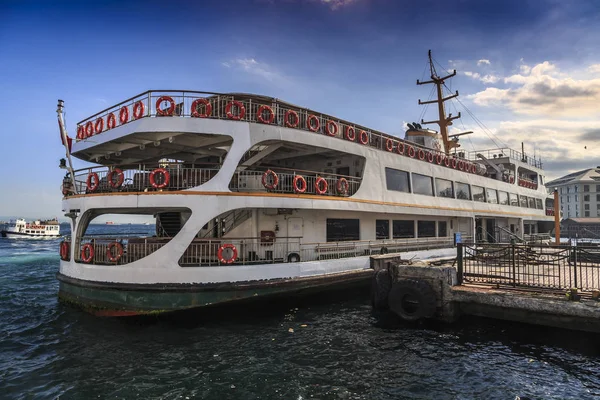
[(20, 228), (254, 196)]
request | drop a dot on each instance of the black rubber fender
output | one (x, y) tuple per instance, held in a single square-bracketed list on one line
[(380, 288), (293, 257), (412, 299)]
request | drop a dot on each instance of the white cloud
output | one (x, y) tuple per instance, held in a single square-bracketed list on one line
[(337, 4), (251, 66), (482, 62), (226, 64), (594, 69), (488, 78)]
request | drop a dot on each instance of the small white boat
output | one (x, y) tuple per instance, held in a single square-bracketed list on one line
[(19, 228)]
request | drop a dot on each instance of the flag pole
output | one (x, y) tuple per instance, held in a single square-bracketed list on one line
[(65, 139)]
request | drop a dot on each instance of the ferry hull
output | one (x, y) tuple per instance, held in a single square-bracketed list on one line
[(122, 300), (20, 235)]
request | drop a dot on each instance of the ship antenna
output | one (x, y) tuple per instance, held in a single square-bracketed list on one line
[(443, 121)]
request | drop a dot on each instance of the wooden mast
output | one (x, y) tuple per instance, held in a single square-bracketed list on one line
[(442, 121)]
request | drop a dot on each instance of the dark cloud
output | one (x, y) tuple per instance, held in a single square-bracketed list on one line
[(541, 93), (592, 135)]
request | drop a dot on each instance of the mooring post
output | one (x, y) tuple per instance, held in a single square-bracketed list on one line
[(459, 262), (575, 266)]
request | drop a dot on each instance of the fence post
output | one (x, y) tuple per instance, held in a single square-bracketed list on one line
[(575, 266), (514, 267), (459, 261)]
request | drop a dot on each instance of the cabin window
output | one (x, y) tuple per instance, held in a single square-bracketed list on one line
[(538, 204), (426, 228), (492, 196), (422, 184), (339, 230), (531, 202), (403, 229), (382, 229), (523, 201), (478, 193), (463, 191), (397, 180), (442, 228), (444, 188), (503, 198)]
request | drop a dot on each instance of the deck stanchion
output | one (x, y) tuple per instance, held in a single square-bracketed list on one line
[(459, 261)]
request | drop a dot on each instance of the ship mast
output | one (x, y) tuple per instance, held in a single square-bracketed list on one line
[(443, 121)]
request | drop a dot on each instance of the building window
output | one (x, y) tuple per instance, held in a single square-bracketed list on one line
[(598, 206), (397, 180), (514, 199), (597, 188), (342, 229), (586, 197), (463, 191), (575, 188), (403, 229), (538, 204), (598, 197), (382, 229), (586, 188), (576, 199), (422, 184), (426, 228), (442, 229), (561, 190), (586, 206), (444, 188), (587, 214), (523, 201), (492, 196), (478, 193), (503, 198)]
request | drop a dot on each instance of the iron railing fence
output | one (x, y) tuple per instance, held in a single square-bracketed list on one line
[(505, 152), (205, 252), (548, 267)]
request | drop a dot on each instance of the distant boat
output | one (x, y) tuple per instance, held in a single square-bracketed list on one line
[(19, 228), (111, 223)]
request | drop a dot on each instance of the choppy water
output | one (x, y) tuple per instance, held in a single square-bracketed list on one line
[(50, 350)]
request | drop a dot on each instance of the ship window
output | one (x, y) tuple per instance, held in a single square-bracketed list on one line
[(444, 188), (422, 184), (523, 201), (342, 229), (538, 204), (382, 229), (442, 228), (531, 202), (463, 191), (403, 229), (492, 196), (397, 180), (503, 198), (478, 193), (426, 228)]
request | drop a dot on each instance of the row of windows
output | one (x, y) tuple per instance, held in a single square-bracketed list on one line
[(586, 188), (398, 180), (339, 230), (585, 198)]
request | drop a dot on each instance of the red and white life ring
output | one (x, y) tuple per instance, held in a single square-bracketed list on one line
[(99, 125), (400, 148), (389, 144), (87, 253), (363, 137), (167, 111), (164, 173), (64, 250), (342, 186), (229, 260), (461, 165), (138, 110), (120, 178), (303, 185), (109, 251), (350, 134), (241, 108), (89, 129), (453, 162), (309, 124), (429, 157), (411, 152), (511, 179), (92, 181), (331, 128), (111, 121), (80, 132), (439, 159), (287, 119), (274, 181), (474, 170), (446, 161), (321, 185), (207, 108), (124, 115), (421, 154), (261, 110)]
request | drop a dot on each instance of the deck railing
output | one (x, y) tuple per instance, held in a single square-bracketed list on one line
[(505, 152)]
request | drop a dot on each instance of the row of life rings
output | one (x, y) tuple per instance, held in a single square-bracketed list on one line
[(93, 180), (270, 180), (527, 184), (92, 128), (114, 252)]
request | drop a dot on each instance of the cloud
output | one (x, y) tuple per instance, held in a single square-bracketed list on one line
[(336, 4), (594, 69), (251, 66), (488, 78), (482, 62)]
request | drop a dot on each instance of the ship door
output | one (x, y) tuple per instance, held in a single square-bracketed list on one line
[(490, 226), (478, 230)]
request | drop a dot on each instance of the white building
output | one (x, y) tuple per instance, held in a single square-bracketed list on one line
[(579, 193)]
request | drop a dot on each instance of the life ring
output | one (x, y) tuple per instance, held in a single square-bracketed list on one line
[(309, 124), (363, 137), (461, 165), (99, 125), (439, 159), (109, 253), (400, 148), (168, 111), (453, 162), (259, 114), (302, 188), (429, 157), (166, 177), (92, 186), (511, 179), (123, 115), (120, 179), (240, 107), (421, 154), (293, 257), (207, 108), (331, 128), (446, 161), (111, 121), (64, 250), (474, 170), (411, 152), (89, 129), (342, 186), (80, 132), (350, 134), (138, 110), (87, 256), (233, 257), (389, 144), (321, 185), (274, 182), (287, 119)]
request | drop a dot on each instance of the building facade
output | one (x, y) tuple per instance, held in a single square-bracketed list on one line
[(579, 193)]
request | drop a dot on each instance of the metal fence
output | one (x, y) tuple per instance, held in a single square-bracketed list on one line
[(550, 267)]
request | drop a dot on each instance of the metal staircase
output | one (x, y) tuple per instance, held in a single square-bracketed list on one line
[(226, 222), (168, 224)]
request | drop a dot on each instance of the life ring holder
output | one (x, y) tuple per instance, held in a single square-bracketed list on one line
[(342, 186), (240, 107), (165, 181), (207, 108), (303, 184), (120, 179), (331, 128), (168, 112), (321, 185), (363, 137), (287, 119), (350, 136), (92, 186), (309, 124), (109, 253), (389, 144), (87, 256), (138, 110), (261, 110), (234, 254), (275, 181)]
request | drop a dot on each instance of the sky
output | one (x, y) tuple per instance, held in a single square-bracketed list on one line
[(528, 70)]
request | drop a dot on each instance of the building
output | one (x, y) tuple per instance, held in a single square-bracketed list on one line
[(579, 193), (581, 227)]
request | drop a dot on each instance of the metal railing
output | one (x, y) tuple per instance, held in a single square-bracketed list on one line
[(490, 154), (549, 267)]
